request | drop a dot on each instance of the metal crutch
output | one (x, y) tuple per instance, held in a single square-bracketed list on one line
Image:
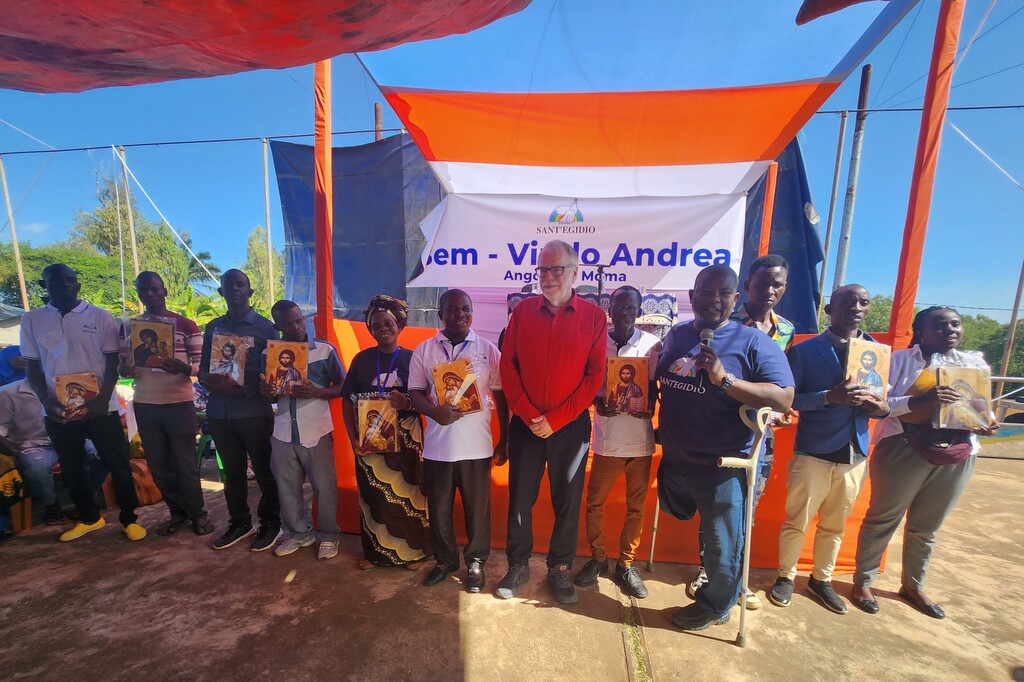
[(654, 534), (759, 426)]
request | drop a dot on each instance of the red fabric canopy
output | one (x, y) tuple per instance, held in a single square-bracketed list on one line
[(75, 45)]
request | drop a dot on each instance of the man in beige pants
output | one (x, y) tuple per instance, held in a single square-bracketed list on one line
[(829, 464)]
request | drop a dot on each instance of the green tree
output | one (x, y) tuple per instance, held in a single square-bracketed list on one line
[(99, 231), (876, 320), (200, 308), (256, 268), (197, 275), (98, 274)]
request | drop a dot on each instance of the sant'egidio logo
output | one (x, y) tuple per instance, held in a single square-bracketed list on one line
[(566, 215)]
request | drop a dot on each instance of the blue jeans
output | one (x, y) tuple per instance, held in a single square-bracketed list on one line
[(36, 467), (719, 495)]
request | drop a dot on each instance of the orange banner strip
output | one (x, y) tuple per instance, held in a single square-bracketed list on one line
[(679, 127)]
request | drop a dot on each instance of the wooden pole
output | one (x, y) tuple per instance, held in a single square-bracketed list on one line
[(846, 228), (14, 237), (769, 209), (266, 222), (832, 209), (131, 216), (936, 99), (378, 122)]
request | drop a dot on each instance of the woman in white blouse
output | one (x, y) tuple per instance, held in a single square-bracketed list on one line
[(903, 481)]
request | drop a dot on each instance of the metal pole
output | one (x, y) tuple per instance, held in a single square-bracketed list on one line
[(266, 220), (654, 534), (1004, 366), (14, 237), (131, 216), (378, 122), (851, 180), (832, 208)]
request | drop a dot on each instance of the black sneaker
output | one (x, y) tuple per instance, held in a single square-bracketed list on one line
[(265, 538), (628, 577), (558, 578), (693, 617), (234, 533), (588, 574), (475, 577), (826, 595), (518, 574), (782, 592)]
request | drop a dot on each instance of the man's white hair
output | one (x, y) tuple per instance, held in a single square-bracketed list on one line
[(559, 245)]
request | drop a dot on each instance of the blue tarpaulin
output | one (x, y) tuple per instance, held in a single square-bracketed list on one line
[(795, 237), (382, 191)]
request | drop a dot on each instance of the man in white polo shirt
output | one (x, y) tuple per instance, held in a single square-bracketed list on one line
[(623, 444), (457, 447), (70, 336)]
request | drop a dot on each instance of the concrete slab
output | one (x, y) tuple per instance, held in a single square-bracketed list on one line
[(102, 608)]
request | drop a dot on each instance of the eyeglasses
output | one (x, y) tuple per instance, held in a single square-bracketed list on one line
[(625, 307), (554, 271)]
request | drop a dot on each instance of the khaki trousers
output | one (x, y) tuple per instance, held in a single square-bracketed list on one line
[(604, 471), (815, 486)]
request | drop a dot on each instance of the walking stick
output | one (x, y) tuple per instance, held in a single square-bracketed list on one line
[(758, 425), (654, 534)]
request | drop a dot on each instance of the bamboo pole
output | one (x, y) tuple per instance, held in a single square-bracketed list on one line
[(14, 237), (131, 217), (832, 209), (266, 221)]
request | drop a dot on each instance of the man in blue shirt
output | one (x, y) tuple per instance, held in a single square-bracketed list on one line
[(708, 368), (241, 420)]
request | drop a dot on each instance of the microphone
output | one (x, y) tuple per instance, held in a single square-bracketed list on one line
[(706, 335)]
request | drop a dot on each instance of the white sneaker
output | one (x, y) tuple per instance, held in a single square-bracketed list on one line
[(292, 545), (700, 581), (328, 550), (753, 601)]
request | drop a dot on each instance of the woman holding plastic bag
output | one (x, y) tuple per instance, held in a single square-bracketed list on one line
[(917, 469)]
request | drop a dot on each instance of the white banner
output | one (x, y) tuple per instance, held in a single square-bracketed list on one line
[(489, 240)]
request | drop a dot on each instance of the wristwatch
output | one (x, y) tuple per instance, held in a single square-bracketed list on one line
[(729, 380)]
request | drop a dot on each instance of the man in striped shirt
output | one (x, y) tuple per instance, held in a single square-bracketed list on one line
[(166, 414)]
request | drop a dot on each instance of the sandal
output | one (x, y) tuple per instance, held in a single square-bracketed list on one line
[(366, 565), (414, 565)]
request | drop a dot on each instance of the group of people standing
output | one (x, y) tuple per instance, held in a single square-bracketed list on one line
[(541, 385)]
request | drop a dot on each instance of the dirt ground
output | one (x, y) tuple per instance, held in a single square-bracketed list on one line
[(102, 608)]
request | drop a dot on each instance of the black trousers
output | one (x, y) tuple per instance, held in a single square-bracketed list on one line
[(565, 455), (472, 478), (107, 435), (168, 435), (235, 439)]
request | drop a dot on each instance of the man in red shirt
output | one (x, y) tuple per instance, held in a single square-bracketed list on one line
[(552, 365)]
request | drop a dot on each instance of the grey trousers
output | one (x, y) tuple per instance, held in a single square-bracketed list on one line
[(292, 464), (904, 483)]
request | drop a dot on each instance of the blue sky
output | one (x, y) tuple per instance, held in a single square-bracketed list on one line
[(215, 191)]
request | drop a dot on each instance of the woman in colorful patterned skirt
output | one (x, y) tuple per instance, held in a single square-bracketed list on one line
[(392, 507)]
